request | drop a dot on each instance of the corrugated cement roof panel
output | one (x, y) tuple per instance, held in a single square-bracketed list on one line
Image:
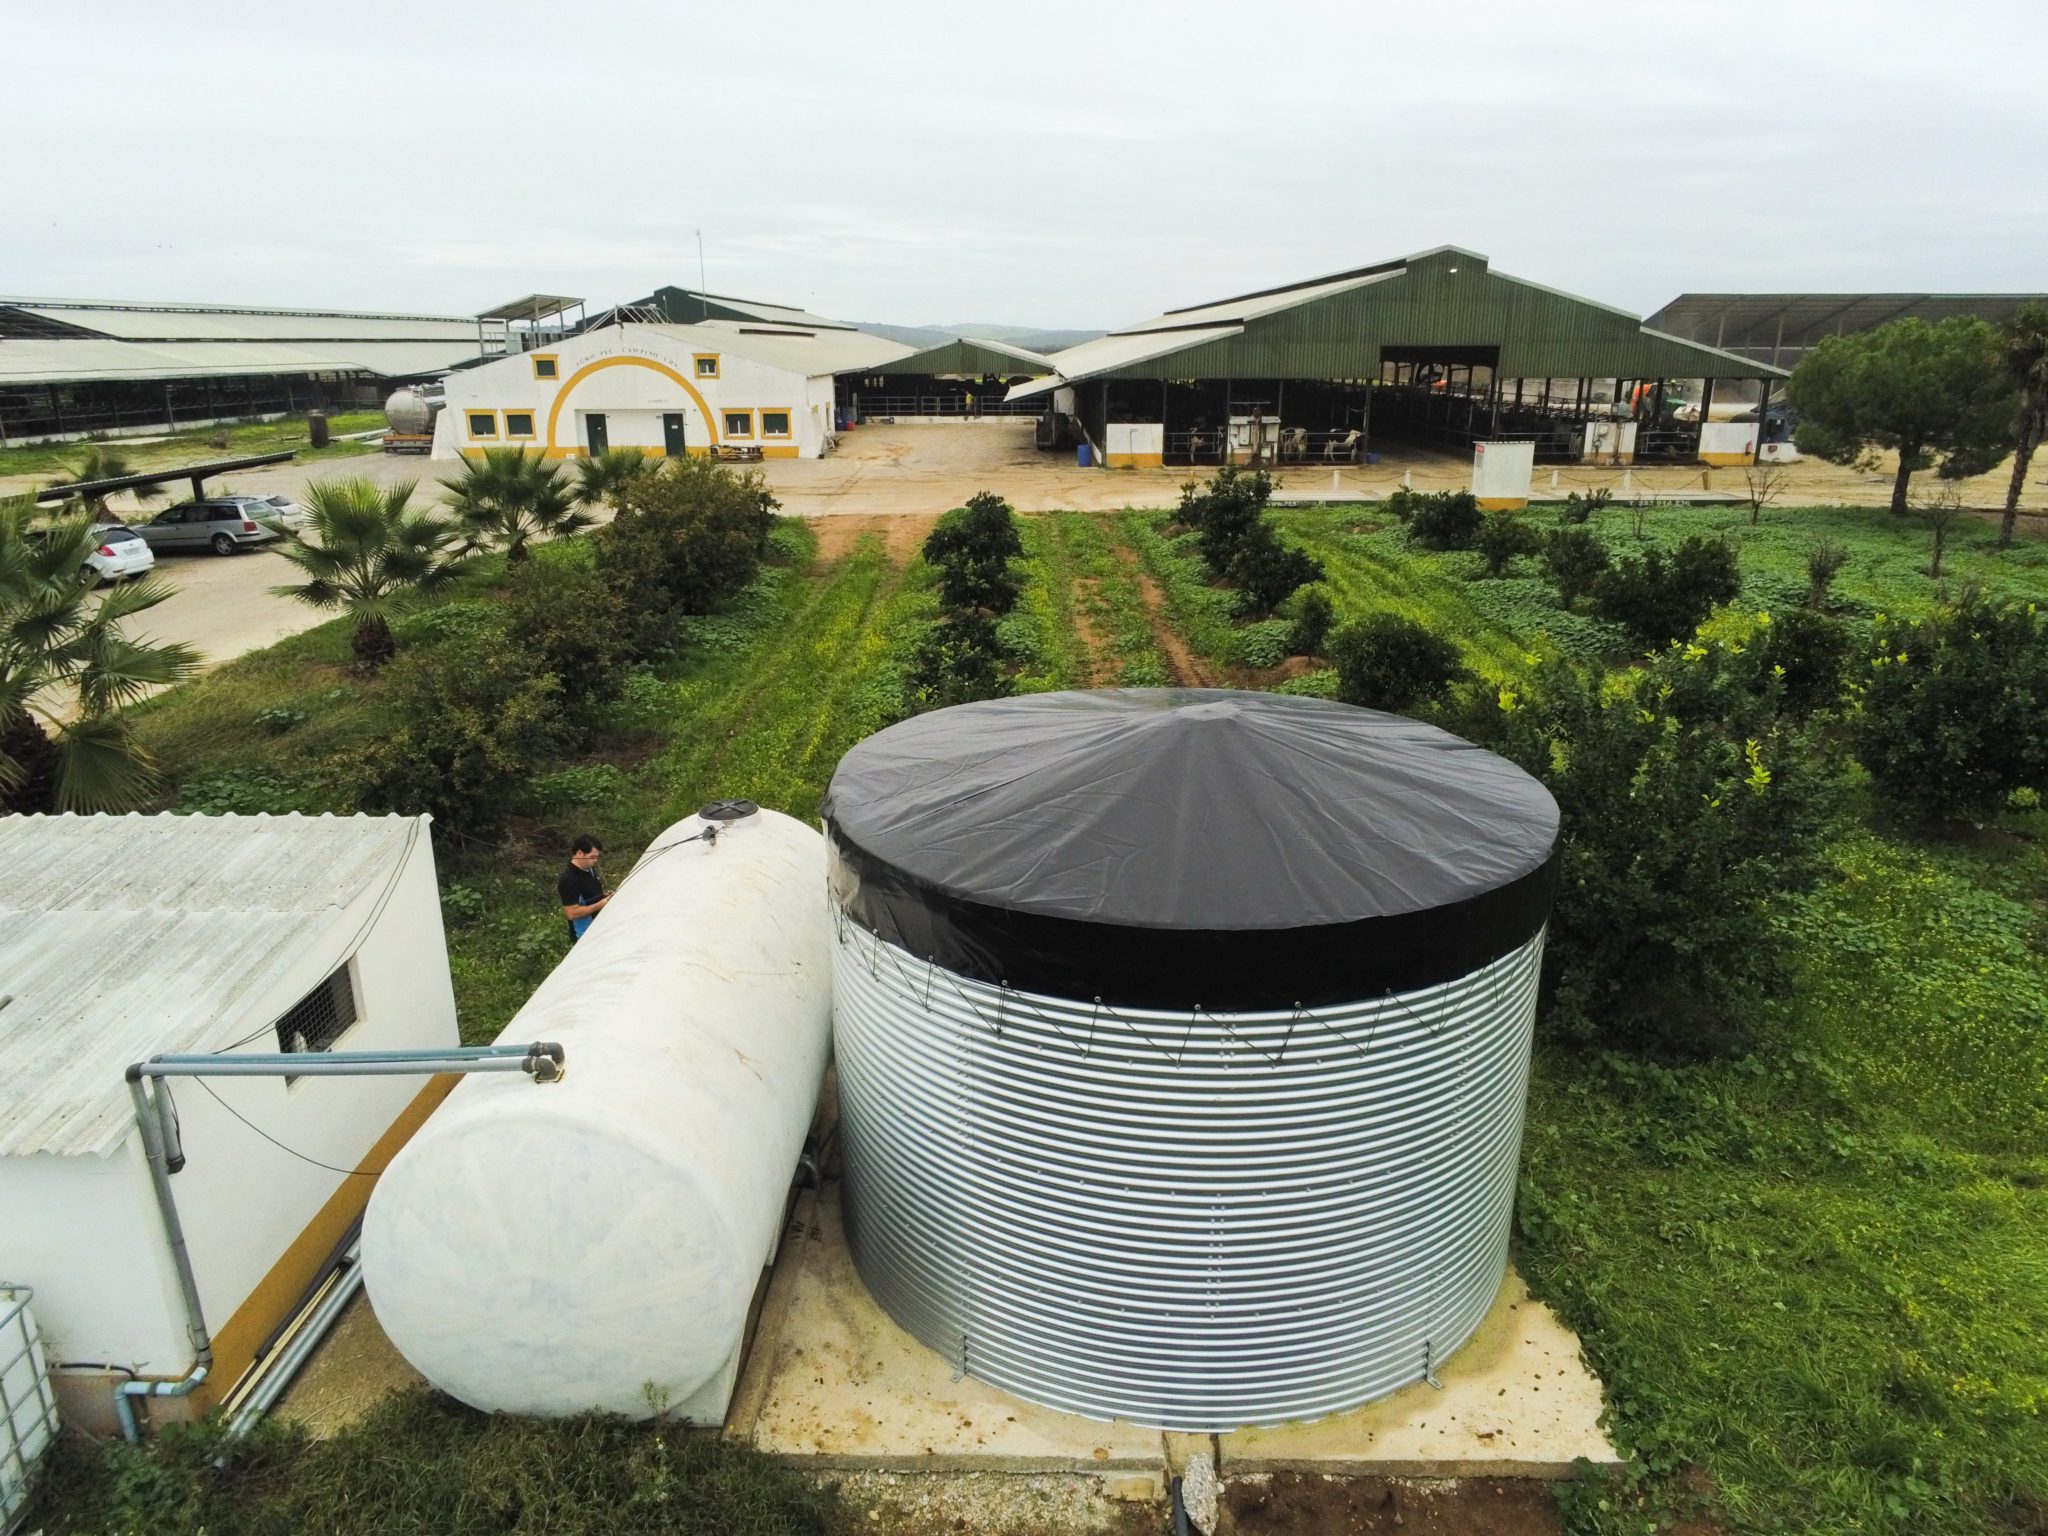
[(1123, 349), (794, 348), (1755, 321), (86, 359), (175, 324), (125, 937)]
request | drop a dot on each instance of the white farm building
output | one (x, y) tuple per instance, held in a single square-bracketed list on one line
[(127, 937), (737, 375)]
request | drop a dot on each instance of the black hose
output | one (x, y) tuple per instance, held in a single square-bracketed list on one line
[(1181, 1524)]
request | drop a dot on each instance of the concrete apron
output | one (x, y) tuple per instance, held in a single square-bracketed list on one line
[(831, 1383)]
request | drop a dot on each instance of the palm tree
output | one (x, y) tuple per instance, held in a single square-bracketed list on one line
[(602, 478), (508, 498), (375, 550), (95, 463), (66, 669), (2024, 339)]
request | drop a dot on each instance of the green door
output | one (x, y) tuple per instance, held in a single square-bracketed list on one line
[(672, 433), (595, 435)]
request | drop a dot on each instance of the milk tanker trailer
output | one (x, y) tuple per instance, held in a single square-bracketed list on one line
[(409, 415)]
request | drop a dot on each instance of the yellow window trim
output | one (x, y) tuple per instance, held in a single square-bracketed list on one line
[(529, 434), (725, 419), (469, 424), (787, 415), (546, 357), (699, 359)]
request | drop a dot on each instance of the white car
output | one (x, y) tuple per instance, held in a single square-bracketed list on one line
[(121, 553), (283, 511)]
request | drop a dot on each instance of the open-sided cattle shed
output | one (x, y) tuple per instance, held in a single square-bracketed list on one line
[(1436, 347), (962, 376), (1780, 328)]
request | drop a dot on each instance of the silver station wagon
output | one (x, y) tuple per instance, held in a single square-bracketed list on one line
[(222, 524)]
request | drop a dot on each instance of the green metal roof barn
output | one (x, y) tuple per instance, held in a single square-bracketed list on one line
[(1436, 346)]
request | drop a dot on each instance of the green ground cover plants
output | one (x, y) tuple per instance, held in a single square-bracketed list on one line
[(420, 1465), (1041, 630), (1820, 1271)]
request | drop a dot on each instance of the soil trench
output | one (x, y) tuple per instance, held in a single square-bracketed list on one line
[(1292, 1504), (1183, 668), (1100, 663), (903, 533)]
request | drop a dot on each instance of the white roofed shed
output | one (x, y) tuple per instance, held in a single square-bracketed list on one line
[(127, 937)]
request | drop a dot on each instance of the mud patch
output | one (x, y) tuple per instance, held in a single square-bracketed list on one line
[(1299, 1504), (1101, 664), (903, 534)]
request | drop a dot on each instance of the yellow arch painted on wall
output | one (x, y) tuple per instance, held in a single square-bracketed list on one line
[(554, 451)]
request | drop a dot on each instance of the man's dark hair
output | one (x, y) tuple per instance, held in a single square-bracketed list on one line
[(586, 844)]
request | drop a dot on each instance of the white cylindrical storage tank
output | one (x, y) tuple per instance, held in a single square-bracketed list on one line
[(407, 410), (554, 1248), (1183, 1039)]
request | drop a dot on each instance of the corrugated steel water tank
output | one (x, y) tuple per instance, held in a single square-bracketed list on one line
[(1183, 1040)]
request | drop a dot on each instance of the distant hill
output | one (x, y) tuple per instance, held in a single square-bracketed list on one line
[(1016, 335)]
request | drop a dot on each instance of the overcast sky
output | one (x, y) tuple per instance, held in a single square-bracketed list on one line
[(1032, 163)]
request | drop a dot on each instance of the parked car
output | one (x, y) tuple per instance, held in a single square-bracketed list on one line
[(269, 509), (222, 524), (282, 510), (122, 553)]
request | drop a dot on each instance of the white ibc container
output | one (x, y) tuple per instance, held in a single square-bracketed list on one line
[(594, 1243), (28, 1407)]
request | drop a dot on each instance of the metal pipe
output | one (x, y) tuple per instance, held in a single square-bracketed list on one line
[(278, 1374), (310, 1064), (124, 1410), (542, 1060), (172, 1139), (427, 1053), (167, 1207)]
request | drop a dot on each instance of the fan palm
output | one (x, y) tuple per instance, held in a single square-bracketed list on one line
[(94, 464), (508, 498), (602, 478), (375, 550), (66, 669), (2024, 340)]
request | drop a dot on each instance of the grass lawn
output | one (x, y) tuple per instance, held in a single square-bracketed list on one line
[(193, 445), (1814, 1280)]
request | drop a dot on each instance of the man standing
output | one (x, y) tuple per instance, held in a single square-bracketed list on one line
[(581, 891)]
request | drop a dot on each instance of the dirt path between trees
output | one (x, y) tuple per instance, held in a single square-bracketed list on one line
[(1184, 669), (1101, 664)]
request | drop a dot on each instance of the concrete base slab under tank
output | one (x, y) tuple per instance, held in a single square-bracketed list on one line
[(1518, 1400), (832, 1382)]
